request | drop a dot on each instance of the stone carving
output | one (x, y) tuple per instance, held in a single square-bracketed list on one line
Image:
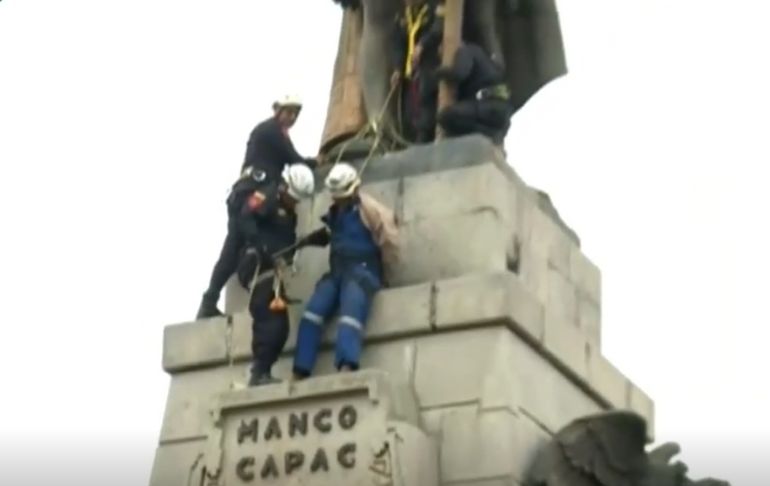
[(524, 34), (607, 449)]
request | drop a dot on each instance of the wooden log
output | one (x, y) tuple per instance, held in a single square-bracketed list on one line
[(453, 33)]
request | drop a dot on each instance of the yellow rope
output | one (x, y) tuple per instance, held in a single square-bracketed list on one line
[(412, 27)]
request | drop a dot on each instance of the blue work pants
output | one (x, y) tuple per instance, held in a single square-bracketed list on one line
[(350, 293)]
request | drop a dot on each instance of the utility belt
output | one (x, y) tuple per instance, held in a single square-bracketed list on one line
[(497, 92)]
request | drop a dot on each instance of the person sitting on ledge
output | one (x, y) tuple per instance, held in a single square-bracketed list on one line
[(482, 104), (363, 237)]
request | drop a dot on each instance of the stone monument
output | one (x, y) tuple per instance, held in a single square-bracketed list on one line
[(485, 345)]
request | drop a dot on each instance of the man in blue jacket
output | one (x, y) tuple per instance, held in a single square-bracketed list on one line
[(363, 238)]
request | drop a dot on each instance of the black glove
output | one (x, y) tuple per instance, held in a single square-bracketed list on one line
[(247, 266), (319, 237)]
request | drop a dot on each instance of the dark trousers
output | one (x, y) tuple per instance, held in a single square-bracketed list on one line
[(269, 329), (420, 102), (488, 117), (227, 263)]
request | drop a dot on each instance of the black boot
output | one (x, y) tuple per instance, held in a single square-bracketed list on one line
[(208, 308), (262, 378)]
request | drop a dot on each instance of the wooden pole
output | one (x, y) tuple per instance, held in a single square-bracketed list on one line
[(453, 34)]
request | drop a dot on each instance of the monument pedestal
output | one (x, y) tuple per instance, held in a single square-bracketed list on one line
[(488, 341)]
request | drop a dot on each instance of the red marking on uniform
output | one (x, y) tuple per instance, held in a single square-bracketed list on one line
[(255, 200)]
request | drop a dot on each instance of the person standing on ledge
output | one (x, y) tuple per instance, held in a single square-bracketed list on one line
[(363, 237), (482, 104), (269, 147), (259, 213)]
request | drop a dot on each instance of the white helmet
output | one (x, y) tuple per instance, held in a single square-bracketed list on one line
[(288, 101), (342, 180), (299, 180)]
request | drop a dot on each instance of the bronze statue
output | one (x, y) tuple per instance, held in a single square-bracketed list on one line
[(607, 449), (523, 34)]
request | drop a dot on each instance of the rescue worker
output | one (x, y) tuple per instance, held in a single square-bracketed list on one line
[(418, 31), (249, 205), (274, 211), (482, 104), (269, 147), (363, 237)]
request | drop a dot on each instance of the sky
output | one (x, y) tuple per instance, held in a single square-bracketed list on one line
[(122, 125)]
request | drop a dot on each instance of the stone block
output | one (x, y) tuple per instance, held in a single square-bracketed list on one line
[(236, 297), (453, 153), (566, 342), (450, 366), (549, 238), (176, 464), (479, 445), (496, 369), (459, 191), (534, 271), (589, 320), (606, 379), (586, 276), (439, 248), (190, 398), (395, 313), (194, 344), (380, 431), (562, 298), (480, 299)]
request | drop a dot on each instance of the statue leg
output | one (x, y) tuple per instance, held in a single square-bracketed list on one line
[(375, 68), (483, 17)]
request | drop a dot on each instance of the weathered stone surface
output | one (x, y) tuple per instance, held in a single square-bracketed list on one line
[(479, 299), (534, 270), (550, 239), (459, 191), (481, 445), (504, 481), (562, 297), (589, 320), (607, 380), (439, 248), (369, 412), (236, 297), (194, 343), (190, 398), (495, 367), (176, 464), (566, 342), (585, 275)]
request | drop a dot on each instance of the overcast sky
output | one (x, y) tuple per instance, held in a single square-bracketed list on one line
[(122, 125)]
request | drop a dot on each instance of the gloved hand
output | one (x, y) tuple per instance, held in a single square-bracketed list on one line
[(247, 266), (319, 237)]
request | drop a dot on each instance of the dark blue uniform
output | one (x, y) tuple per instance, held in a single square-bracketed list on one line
[(270, 149), (483, 104), (241, 234), (354, 276), (274, 229)]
